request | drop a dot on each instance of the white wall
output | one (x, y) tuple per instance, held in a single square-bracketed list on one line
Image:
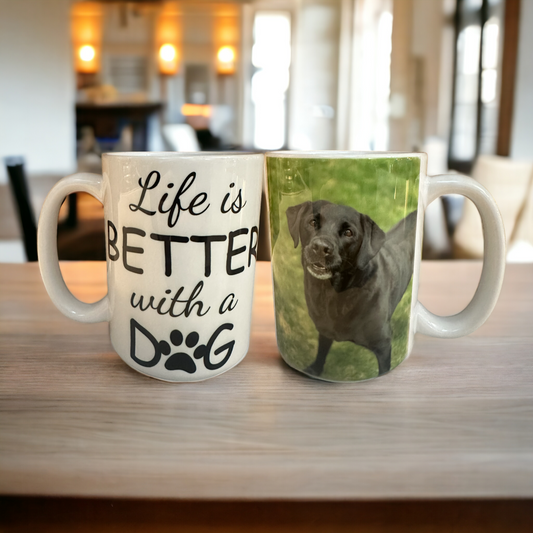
[(428, 19), (37, 85), (522, 134), (314, 90), (421, 73)]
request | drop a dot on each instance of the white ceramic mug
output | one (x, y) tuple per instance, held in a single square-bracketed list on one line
[(181, 243)]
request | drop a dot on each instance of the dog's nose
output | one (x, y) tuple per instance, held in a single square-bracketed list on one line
[(321, 247)]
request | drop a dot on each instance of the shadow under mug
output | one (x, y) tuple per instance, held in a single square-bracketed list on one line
[(346, 239), (181, 246)]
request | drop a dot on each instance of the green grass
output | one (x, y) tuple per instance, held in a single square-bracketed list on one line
[(386, 189)]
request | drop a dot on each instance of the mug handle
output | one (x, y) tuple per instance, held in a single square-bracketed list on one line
[(490, 284), (53, 280)]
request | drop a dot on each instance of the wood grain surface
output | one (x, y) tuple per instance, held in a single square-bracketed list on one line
[(453, 421)]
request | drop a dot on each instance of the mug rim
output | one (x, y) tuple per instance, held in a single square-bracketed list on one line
[(184, 155), (339, 154)]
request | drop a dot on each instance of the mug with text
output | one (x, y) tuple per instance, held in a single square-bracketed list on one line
[(346, 239), (181, 244)]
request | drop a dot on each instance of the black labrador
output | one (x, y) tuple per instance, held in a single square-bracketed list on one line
[(355, 275)]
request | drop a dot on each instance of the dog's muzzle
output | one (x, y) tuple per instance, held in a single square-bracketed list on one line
[(320, 256)]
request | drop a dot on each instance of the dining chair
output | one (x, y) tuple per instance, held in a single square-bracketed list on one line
[(83, 240), (510, 182), (19, 189), (181, 137)]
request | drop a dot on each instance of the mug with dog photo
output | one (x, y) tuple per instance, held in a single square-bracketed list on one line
[(346, 239)]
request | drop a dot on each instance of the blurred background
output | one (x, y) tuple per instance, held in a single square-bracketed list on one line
[(453, 78)]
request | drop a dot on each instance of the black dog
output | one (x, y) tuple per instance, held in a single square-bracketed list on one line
[(354, 275)]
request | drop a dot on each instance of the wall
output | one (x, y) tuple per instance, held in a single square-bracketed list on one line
[(428, 21), (419, 94), (37, 85), (204, 28), (129, 35), (522, 133), (403, 130), (313, 100)]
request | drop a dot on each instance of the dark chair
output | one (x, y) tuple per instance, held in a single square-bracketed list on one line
[(19, 188), (77, 240)]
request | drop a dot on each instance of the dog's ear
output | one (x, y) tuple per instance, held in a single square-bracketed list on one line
[(294, 215), (373, 240)]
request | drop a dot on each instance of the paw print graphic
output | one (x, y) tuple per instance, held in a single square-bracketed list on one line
[(213, 357), (180, 360)]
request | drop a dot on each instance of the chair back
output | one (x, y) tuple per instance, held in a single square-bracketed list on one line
[(19, 188), (181, 137), (510, 184)]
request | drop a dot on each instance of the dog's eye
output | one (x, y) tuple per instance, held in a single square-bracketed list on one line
[(313, 223), (348, 233)]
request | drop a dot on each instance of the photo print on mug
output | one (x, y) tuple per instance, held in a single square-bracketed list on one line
[(343, 238)]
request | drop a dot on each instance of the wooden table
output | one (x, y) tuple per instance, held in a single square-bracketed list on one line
[(454, 421)]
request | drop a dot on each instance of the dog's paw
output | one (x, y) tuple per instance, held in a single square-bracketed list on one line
[(313, 371)]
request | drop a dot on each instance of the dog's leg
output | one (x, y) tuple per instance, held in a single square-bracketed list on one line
[(383, 353), (324, 344)]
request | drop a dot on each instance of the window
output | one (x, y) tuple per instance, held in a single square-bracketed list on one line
[(271, 58), (474, 127)]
